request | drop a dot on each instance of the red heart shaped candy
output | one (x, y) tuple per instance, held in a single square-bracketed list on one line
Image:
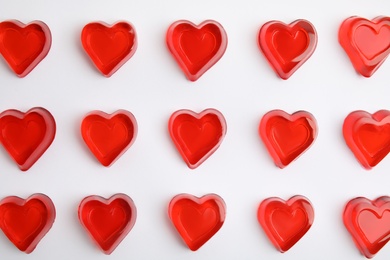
[(285, 222), (367, 43), (26, 136), (108, 136), (287, 46), (286, 136), (197, 219), (26, 222), (368, 136), (196, 48), (109, 46), (24, 46), (197, 136), (107, 221), (368, 222)]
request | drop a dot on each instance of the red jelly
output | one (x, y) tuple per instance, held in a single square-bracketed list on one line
[(368, 136), (197, 136), (196, 48), (26, 222), (368, 222), (108, 136), (197, 219), (285, 222), (287, 46), (24, 46), (287, 136), (26, 136), (367, 43), (109, 46), (107, 221)]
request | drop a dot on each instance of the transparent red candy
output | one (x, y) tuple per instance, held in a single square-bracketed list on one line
[(197, 136), (107, 221), (196, 48), (26, 136), (368, 136), (368, 222), (287, 136), (285, 222), (108, 136), (197, 219), (24, 46), (26, 221), (287, 46), (367, 43), (109, 46)]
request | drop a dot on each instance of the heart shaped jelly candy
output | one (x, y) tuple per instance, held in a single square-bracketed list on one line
[(107, 221), (108, 136), (197, 136), (24, 46), (285, 222), (287, 46), (26, 136), (26, 222), (368, 136), (197, 219), (367, 43), (287, 136), (196, 48), (368, 222), (109, 46)]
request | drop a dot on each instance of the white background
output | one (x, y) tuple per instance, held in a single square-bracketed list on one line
[(151, 85)]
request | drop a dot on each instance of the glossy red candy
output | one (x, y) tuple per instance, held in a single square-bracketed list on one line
[(109, 46), (24, 46), (26, 222), (197, 136), (368, 136), (367, 43), (196, 48), (107, 221), (197, 219), (285, 222), (287, 46), (108, 136), (368, 222), (287, 136), (26, 136)]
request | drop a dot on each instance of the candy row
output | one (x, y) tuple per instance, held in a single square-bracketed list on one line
[(108, 221), (196, 48), (26, 136)]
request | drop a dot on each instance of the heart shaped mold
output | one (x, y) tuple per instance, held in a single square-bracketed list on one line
[(26, 136), (24, 46), (287, 46), (196, 48), (367, 43), (107, 221), (285, 222), (368, 222), (108, 136), (368, 136), (197, 219), (26, 221), (197, 136), (109, 46), (287, 136)]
